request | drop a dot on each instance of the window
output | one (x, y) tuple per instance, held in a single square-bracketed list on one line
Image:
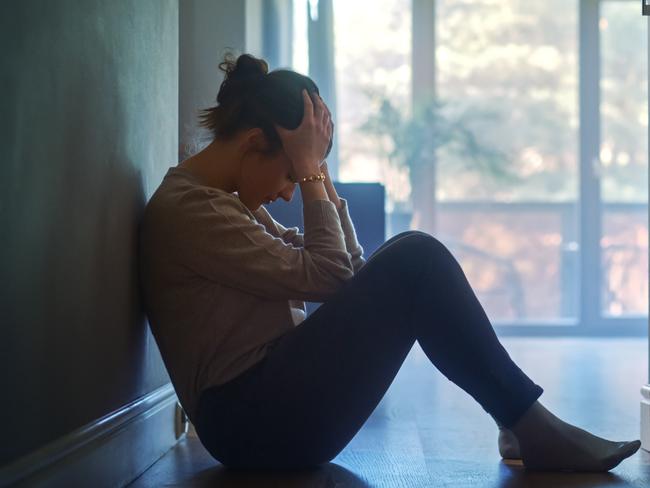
[(517, 62), (553, 236), (372, 53)]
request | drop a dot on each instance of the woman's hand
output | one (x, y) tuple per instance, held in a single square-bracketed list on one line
[(306, 145)]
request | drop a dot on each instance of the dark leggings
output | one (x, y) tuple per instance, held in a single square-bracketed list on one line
[(303, 403)]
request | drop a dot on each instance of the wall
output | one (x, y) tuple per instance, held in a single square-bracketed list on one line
[(209, 29), (89, 126)]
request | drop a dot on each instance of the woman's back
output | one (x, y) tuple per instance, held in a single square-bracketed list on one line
[(220, 281)]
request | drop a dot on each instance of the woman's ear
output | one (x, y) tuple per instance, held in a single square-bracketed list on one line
[(255, 140)]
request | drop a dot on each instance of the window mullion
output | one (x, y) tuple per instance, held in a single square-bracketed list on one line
[(589, 196)]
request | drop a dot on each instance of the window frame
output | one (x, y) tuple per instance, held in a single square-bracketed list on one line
[(589, 321)]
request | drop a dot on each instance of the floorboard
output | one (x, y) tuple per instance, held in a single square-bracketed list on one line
[(427, 432)]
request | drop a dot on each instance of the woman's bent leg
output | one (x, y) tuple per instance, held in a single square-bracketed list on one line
[(457, 336), (321, 381)]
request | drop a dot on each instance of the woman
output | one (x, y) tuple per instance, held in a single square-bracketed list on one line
[(225, 284)]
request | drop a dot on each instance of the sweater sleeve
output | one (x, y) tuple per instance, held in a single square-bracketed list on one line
[(225, 244), (351, 242), (292, 234)]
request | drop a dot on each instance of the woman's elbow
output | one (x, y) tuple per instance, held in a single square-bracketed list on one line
[(336, 279)]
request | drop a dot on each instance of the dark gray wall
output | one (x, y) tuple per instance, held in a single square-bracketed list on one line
[(88, 127)]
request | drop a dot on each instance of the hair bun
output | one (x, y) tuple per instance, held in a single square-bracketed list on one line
[(240, 74), (245, 66), (251, 96)]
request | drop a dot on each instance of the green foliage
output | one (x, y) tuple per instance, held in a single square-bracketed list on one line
[(417, 139)]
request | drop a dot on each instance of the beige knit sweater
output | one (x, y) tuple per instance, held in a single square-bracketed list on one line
[(220, 282)]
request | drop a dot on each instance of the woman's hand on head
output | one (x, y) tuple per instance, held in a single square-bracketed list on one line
[(307, 143)]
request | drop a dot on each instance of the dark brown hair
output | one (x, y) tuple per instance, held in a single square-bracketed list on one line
[(251, 96)]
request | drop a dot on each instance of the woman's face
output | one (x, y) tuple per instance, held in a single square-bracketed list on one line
[(267, 178)]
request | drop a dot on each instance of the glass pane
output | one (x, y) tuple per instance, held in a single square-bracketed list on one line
[(624, 159), (515, 258), (509, 70), (372, 52)]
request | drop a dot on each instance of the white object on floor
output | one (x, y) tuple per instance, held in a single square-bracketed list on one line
[(645, 417)]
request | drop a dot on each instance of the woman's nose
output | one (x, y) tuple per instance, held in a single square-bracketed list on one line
[(287, 193)]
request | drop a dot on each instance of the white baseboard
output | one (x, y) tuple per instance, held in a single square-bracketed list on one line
[(645, 417), (111, 451)]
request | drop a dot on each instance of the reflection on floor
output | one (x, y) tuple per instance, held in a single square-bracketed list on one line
[(428, 432)]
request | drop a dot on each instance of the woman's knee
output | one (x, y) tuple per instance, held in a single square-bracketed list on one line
[(403, 238), (391, 241), (409, 253), (421, 243), (407, 233), (423, 253)]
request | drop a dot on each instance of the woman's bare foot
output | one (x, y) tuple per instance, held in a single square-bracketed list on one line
[(550, 444), (508, 444)]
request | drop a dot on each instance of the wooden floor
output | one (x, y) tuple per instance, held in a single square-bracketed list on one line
[(428, 432)]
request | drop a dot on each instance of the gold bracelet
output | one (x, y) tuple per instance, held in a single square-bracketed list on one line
[(318, 177)]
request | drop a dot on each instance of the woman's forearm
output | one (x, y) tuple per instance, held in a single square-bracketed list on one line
[(329, 187)]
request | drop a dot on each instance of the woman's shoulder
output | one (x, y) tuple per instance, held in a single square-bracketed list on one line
[(182, 202), (179, 189)]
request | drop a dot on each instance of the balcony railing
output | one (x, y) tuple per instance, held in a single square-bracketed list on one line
[(523, 262)]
